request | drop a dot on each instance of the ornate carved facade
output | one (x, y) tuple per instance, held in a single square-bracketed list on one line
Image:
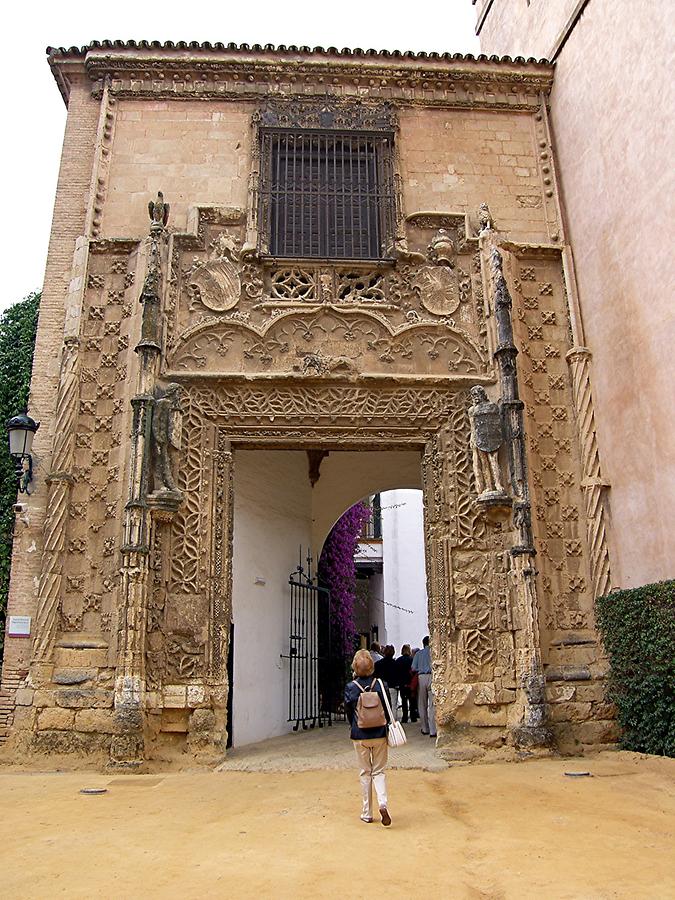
[(193, 328)]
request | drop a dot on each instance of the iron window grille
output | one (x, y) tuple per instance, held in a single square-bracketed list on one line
[(326, 194)]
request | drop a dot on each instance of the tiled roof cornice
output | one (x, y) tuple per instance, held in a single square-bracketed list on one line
[(191, 70), (207, 46)]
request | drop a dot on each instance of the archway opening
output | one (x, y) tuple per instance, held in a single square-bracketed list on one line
[(283, 512)]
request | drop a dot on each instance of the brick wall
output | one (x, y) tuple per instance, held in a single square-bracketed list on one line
[(72, 196), (455, 160)]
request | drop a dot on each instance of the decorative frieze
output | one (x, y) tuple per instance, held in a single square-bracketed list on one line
[(215, 76)]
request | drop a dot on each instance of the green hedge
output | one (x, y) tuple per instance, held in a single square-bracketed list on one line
[(18, 326), (638, 630)]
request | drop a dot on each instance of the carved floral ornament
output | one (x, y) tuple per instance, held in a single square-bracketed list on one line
[(230, 313), (356, 343)]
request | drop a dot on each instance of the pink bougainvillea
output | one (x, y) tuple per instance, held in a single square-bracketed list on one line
[(337, 571)]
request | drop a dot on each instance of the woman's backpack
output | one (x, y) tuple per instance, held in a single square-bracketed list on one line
[(369, 709)]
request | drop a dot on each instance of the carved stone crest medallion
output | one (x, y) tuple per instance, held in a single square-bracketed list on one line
[(438, 290), (216, 282)]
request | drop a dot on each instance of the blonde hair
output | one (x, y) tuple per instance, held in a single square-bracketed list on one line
[(363, 664)]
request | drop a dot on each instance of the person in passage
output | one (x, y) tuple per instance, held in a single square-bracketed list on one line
[(370, 743), (408, 701), (375, 654), (388, 671), (425, 700)]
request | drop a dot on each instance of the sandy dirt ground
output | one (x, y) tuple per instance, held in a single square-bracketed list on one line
[(492, 831)]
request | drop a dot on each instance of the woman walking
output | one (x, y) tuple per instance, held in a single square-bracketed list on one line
[(370, 743)]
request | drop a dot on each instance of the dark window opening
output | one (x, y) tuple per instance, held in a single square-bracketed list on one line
[(326, 195)]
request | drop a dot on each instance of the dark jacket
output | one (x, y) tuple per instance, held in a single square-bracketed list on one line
[(403, 665), (388, 671), (352, 694)]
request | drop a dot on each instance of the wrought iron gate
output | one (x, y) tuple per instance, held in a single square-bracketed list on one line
[(310, 700)]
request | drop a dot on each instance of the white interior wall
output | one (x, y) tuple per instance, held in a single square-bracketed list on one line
[(349, 476), (405, 582), (272, 518)]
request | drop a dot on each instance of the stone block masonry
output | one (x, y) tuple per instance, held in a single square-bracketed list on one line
[(187, 344)]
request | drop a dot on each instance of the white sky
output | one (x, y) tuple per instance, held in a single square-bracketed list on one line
[(34, 112)]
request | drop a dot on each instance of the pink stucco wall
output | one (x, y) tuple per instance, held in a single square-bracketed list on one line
[(612, 116)]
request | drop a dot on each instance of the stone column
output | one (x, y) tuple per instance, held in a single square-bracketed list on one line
[(531, 730), (60, 481), (207, 734), (127, 748)]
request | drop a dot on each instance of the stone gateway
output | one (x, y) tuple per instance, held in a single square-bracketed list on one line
[(319, 278)]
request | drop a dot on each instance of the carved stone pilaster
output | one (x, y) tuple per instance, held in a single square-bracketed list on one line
[(127, 748), (593, 485), (60, 481), (531, 729), (512, 406), (221, 584)]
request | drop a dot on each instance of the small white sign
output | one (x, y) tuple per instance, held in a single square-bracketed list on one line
[(19, 626)]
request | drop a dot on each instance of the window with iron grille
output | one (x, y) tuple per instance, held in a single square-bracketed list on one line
[(326, 194)]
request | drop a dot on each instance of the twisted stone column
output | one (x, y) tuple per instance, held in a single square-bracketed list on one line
[(60, 481), (593, 485)]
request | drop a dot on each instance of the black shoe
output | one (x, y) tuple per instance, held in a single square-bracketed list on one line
[(384, 815), (424, 732)]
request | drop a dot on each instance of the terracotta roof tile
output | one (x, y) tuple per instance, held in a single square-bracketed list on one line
[(207, 46)]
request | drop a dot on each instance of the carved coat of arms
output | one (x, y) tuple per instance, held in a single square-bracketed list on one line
[(488, 427), (438, 289), (216, 282)]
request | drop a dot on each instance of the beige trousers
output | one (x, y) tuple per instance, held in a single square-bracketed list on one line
[(425, 703), (372, 756), (393, 701)]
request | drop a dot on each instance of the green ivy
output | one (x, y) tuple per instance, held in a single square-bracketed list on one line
[(638, 631), (18, 326)]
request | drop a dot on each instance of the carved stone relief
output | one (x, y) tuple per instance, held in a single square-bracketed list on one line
[(89, 602), (470, 606), (542, 333), (228, 313), (364, 338)]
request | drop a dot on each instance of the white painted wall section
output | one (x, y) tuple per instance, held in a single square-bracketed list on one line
[(272, 518), (405, 582)]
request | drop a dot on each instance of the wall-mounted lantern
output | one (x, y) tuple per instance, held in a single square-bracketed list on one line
[(21, 431)]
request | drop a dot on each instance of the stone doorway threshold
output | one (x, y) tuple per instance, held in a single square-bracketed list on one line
[(327, 748)]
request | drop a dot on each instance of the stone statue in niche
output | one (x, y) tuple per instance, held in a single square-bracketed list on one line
[(486, 438), (216, 283), (167, 426)]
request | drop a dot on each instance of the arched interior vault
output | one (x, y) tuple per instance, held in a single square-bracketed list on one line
[(348, 476)]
